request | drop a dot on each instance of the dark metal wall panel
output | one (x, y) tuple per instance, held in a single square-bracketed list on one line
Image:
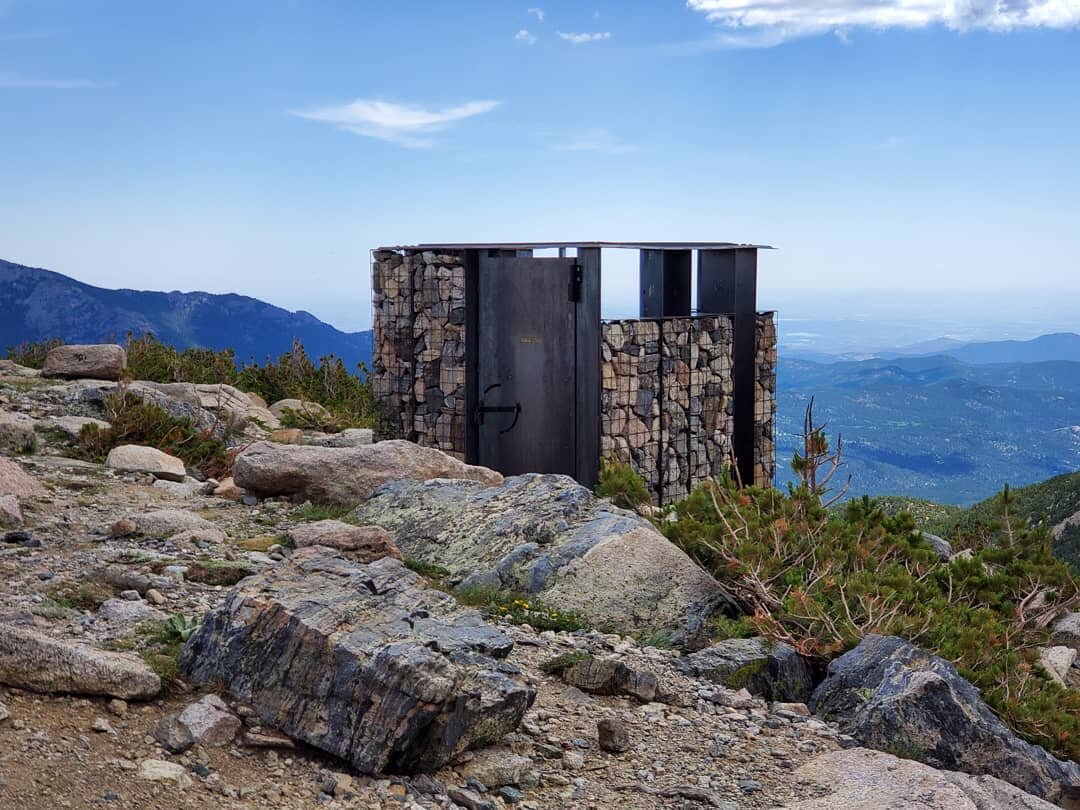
[(745, 362), (472, 367), (527, 347), (716, 282), (588, 369), (665, 283)]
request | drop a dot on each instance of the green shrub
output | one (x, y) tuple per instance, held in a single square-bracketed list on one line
[(560, 663), (520, 609), (150, 359), (435, 574), (87, 596), (346, 394), (621, 485), (133, 421), (822, 580), (32, 355)]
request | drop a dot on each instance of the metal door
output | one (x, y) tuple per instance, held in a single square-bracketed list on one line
[(525, 415)]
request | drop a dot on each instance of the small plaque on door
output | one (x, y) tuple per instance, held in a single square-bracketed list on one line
[(534, 339)]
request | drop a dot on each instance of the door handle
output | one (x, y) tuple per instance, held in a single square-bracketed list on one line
[(481, 409)]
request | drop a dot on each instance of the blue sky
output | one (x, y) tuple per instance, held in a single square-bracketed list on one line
[(893, 150)]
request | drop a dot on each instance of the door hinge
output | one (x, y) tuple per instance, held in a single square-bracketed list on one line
[(575, 283)]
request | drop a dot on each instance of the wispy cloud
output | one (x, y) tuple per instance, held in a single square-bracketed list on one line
[(404, 124), (892, 142), (37, 83), (525, 36), (538, 13), (758, 23), (581, 39), (594, 140)]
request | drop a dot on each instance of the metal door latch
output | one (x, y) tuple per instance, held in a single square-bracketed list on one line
[(481, 409)]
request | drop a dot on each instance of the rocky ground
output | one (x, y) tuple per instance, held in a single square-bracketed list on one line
[(102, 557)]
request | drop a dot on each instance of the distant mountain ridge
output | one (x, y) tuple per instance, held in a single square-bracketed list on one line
[(1045, 348), (38, 304), (936, 427)]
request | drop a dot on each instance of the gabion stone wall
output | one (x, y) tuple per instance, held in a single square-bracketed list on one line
[(418, 368), (667, 397), (765, 401), (666, 385)]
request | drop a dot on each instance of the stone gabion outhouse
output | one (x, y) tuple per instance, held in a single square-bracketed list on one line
[(500, 357)]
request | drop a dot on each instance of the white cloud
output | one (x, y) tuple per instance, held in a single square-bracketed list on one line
[(786, 19), (538, 13), (581, 39), (33, 83), (525, 36), (595, 140), (404, 124)]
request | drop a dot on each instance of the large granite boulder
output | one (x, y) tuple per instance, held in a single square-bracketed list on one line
[(137, 458), (548, 536), (307, 413), (234, 407), (773, 670), (180, 401), (361, 660), (345, 475), (893, 696), (860, 779), (105, 361), (30, 660)]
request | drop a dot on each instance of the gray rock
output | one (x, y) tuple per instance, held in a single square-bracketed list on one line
[(496, 767), (469, 799), (123, 578), (136, 458), (174, 736), (352, 437), (548, 536), (233, 407), (17, 433), (180, 401), (1057, 661), (168, 522), (344, 475), (210, 721), (365, 543), (105, 361), (30, 660), (940, 546), (127, 613), (1066, 631), (10, 511), (360, 660), (892, 696), (859, 779), (306, 412), (613, 735), (158, 770), (73, 425), (606, 676), (178, 489), (772, 670)]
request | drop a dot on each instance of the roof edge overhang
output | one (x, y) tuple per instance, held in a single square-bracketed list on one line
[(556, 245)]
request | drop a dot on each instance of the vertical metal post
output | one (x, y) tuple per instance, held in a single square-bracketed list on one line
[(664, 283), (587, 380), (744, 371), (472, 364)]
